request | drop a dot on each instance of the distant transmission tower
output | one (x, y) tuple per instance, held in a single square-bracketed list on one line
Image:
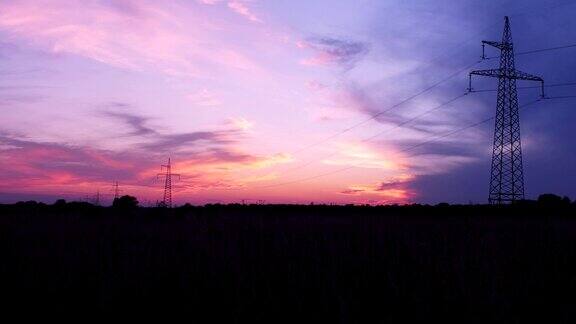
[(507, 175), (116, 190), (167, 201), (97, 198)]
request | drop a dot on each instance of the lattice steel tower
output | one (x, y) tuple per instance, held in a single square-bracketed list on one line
[(507, 175), (167, 201), (116, 190)]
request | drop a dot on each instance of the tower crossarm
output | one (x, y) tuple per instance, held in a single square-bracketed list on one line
[(498, 45), (519, 75), (506, 74), (495, 73), (510, 74), (162, 175)]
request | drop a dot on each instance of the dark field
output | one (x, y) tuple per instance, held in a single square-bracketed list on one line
[(296, 264)]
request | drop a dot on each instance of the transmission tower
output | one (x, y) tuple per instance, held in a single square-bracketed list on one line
[(507, 175), (97, 198), (167, 201), (116, 190)]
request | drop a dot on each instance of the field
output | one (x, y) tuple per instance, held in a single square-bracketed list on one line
[(291, 264)]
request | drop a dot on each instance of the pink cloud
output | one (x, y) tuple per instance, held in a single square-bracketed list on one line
[(242, 9), (138, 35), (241, 123), (322, 58), (210, 2), (395, 190), (239, 7), (203, 98), (206, 159), (367, 156), (315, 85), (54, 168)]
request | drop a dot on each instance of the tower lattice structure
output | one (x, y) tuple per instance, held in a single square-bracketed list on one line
[(116, 190), (507, 174), (167, 199)]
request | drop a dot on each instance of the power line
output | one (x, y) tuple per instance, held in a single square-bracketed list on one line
[(446, 103), (419, 94), (539, 10), (532, 87), (401, 102), (546, 49), (536, 51), (423, 91), (417, 117), (561, 97), (461, 129), (410, 148), (426, 63)]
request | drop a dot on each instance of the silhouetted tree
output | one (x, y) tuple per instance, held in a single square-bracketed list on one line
[(161, 204), (29, 205), (125, 202), (79, 205), (553, 200), (60, 203)]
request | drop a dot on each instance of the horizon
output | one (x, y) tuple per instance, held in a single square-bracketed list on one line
[(545, 200), (357, 102)]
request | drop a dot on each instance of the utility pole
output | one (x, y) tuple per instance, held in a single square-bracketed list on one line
[(167, 200), (507, 174)]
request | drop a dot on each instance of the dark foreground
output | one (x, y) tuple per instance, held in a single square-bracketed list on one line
[(289, 264)]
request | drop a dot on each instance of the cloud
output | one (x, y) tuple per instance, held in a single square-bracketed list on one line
[(203, 98), (155, 141), (167, 143), (241, 123), (456, 147), (17, 94), (360, 99), (52, 164), (366, 156), (135, 35), (315, 86), (333, 51), (384, 196), (136, 122), (274, 159), (241, 8), (14, 99), (51, 167), (394, 190), (210, 2), (214, 150), (432, 155)]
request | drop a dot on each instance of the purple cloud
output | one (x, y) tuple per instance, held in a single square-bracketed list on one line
[(334, 51)]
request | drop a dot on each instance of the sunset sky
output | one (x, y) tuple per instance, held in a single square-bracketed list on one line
[(272, 99)]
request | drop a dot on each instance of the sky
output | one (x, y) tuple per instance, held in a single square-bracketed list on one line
[(286, 101)]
